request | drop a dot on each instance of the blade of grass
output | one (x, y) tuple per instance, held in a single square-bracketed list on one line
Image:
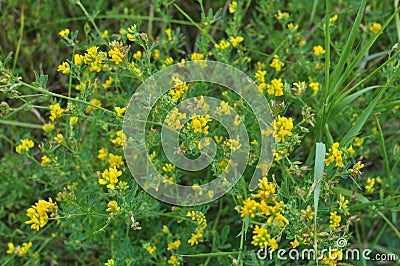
[(318, 173), (387, 167), (349, 136), (348, 47), (19, 124)]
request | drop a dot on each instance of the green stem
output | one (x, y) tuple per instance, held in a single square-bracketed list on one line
[(21, 34)]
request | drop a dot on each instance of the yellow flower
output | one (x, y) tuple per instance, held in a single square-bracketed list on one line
[(260, 75), (137, 55), (375, 27), (273, 244), (39, 212), (167, 168), (250, 208), (356, 170), (178, 90), (91, 108), (173, 261), (318, 50), (168, 32), (25, 145), (174, 245), (261, 237), (64, 68), (294, 243), (196, 238), (292, 27), (93, 58), (173, 119), (115, 160), (200, 219), (199, 124), (112, 207), (55, 111), (233, 144), (24, 249), (48, 127), (334, 220), (351, 150), (151, 249), (120, 139), (222, 45), (282, 15), (334, 155), (59, 138), (233, 7), (283, 126), (265, 189), (45, 160), (78, 59), (73, 120), (307, 214), (11, 248), (109, 177), (105, 34), (108, 83), (103, 154), (275, 88), (116, 55), (315, 86), (276, 63), (156, 54), (358, 141), (110, 262), (236, 40), (120, 111), (63, 33), (342, 202), (197, 56), (369, 187), (333, 19)]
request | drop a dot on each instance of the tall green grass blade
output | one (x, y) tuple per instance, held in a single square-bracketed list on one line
[(349, 44)]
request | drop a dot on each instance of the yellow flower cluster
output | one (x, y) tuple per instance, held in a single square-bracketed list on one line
[(173, 261), (174, 118), (236, 40), (93, 58), (39, 213), (333, 257), (64, 33), (109, 177), (264, 203), (19, 250), (356, 170), (179, 89), (318, 50), (174, 245), (222, 45), (113, 207), (55, 111), (120, 139), (334, 220), (116, 55), (199, 123), (25, 145), (369, 187), (201, 222), (276, 63), (275, 88), (197, 56), (233, 144), (65, 68), (282, 15), (233, 7), (375, 27), (334, 155), (283, 126)]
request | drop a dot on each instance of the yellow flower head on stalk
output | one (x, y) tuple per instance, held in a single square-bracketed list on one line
[(55, 111), (334, 220), (110, 262), (93, 58), (334, 155), (109, 177), (275, 88), (120, 139), (150, 249), (222, 45), (318, 50), (64, 33), (45, 160), (11, 248), (260, 75), (261, 237), (375, 27), (174, 118), (369, 186), (342, 202), (24, 249), (64, 68), (232, 7), (307, 214), (108, 83), (78, 59), (137, 55), (196, 238), (265, 189), (48, 127), (294, 243), (39, 212), (174, 245), (105, 34), (91, 108), (115, 160), (250, 208), (236, 40), (197, 56), (113, 207), (292, 27), (25, 145), (282, 15), (276, 63), (120, 111), (199, 123), (179, 89), (59, 138), (283, 126), (168, 32), (173, 261), (103, 154), (356, 170), (116, 55)]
